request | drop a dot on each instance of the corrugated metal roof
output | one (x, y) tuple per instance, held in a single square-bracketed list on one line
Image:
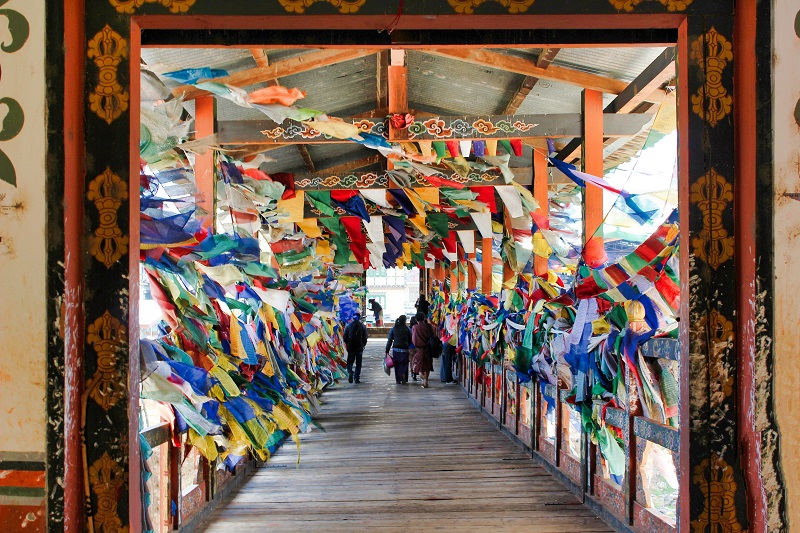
[(618, 63), (447, 86)]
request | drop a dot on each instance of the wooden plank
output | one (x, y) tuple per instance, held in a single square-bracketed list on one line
[(279, 69), (500, 61), (460, 127), (663, 435)]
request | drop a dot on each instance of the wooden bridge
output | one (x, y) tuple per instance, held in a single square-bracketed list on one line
[(402, 458)]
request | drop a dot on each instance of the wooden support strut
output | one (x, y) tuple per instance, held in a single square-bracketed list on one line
[(472, 278), (592, 103)]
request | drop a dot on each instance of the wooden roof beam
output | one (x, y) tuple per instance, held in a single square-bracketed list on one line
[(304, 153), (544, 60), (500, 61), (661, 70), (279, 69)]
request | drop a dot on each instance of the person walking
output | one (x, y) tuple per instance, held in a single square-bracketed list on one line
[(399, 343), (421, 336), (412, 352), (376, 308), (355, 339), (423, 305), (449, 342)]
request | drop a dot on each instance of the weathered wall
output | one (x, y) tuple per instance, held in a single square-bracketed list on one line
[(786, 152), (23, 309)]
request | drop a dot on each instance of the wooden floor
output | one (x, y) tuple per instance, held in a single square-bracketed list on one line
[(402, 458)]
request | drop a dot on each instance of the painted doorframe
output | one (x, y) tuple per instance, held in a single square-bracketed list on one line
[(93, 447)]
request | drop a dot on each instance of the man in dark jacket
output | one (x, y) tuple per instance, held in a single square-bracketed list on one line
[(355, 338)]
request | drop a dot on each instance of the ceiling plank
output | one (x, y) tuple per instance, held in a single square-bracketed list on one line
[(544, 60), (279, 69), (661, 70), (500, 61)]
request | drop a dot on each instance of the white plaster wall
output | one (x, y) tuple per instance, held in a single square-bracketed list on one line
[(23, 316), (786, 151)]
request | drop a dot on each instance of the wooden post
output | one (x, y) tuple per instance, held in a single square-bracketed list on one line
[(540, 264), (454, 275), (205, 111), (398, 91), (486, 266), (472, 279), (592, 163)]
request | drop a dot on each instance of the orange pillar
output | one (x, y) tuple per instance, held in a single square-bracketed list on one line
[(486, 267), (592, 162), (204, 164), (398, 91), (472, 279), (540, 194)]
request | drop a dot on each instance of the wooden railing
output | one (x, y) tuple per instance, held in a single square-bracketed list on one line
[(555, 437), (184, 486)]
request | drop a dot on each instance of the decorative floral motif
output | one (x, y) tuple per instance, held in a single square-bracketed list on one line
[(671, 5), (108, 336), (107, 479), (309, 133), (109, 99), (468, 6), (712, 193), (523, 126), (485, 127), (436, 127), (366, 125), (108, 191), (344, 6), (506, 126), (273, 133), (399, 121), (130, 6), (461, 128), (712, 52), (715, 479), (721, 337)]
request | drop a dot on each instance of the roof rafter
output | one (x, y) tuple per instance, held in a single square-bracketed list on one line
[(500, 61), (544, 60), (279, 69), (661, 70)]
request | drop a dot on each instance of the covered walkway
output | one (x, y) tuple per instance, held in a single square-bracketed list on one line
[(402, 458)]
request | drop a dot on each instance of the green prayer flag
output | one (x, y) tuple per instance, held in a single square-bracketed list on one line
[(439, 224), (322, 201)]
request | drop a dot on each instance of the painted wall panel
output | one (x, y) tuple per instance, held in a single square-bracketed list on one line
[(786, 152), (23, 318)]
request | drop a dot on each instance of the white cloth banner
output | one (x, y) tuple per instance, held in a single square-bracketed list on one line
[(465, 147), (376, 195), (467, 238), (483, 221), (375, 229), (274, 297), (376, 251), (511, 199)]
